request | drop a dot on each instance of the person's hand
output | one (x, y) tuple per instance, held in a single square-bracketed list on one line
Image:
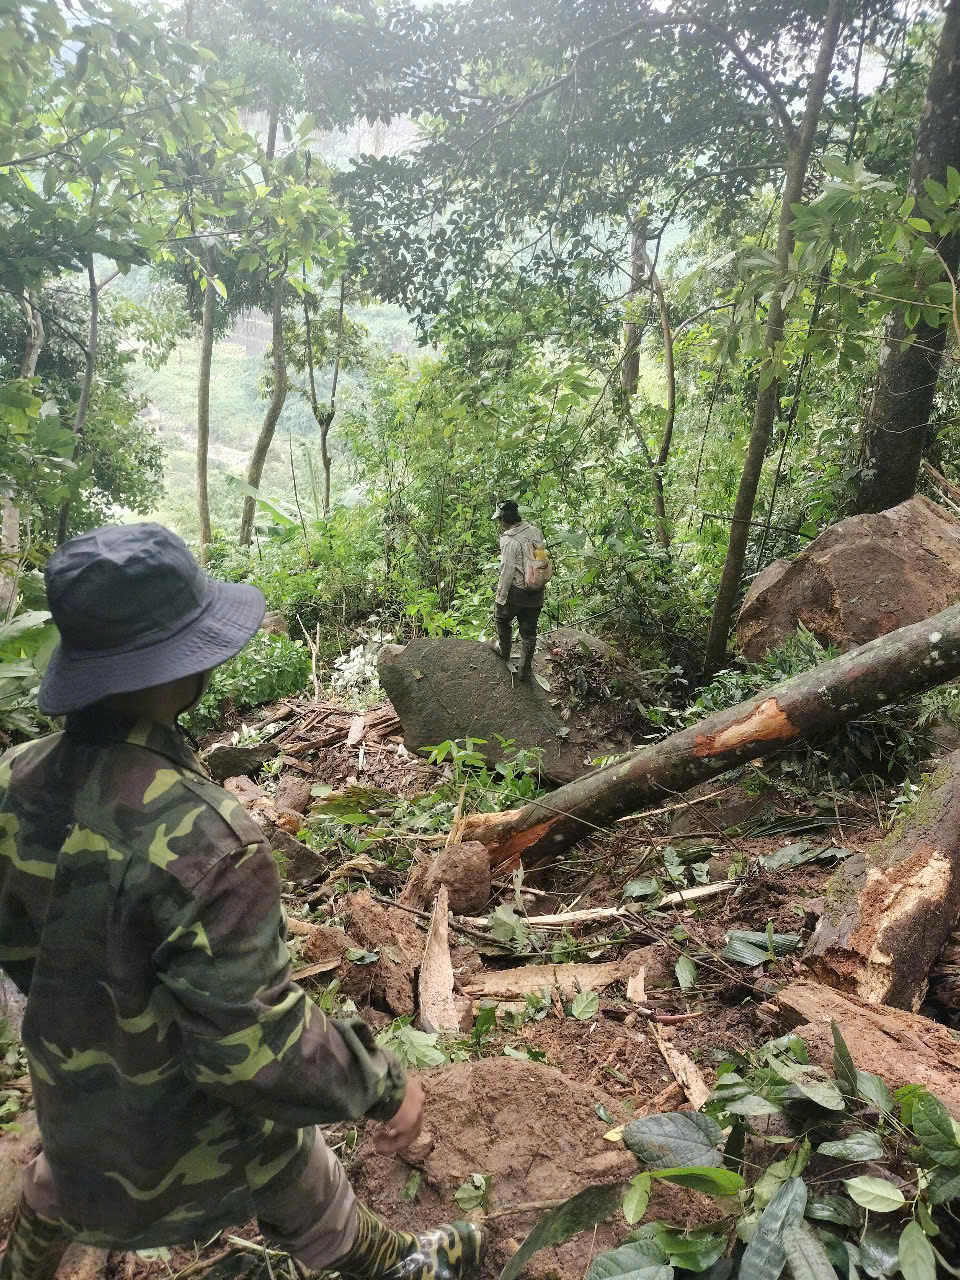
[(403, 1129)]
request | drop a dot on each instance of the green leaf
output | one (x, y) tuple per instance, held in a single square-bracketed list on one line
[(836, 1209), (806, 1255), (876, 1194), (640, 1260), (712, 1182), (917, 1260), (944, 1187), (592, 1205), (811, 1082), (780, 944), (861, 1145), (585, 1005), (736, 1095), (357, 955), (872, 1089), (843, 1065), (953, 183), (473, 1193), (691, 1250), (936, 1130), (636, 1198), (641, 888), (686, 972), (411, 1188), (765, 1257), (744, 953), (675, 1139), (878, 1252)]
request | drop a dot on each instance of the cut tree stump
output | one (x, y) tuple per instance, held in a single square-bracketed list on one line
[(899, 1047), (810, 705), (890, 910)]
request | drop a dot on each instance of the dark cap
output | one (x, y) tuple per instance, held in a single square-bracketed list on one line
[(134, 610), (508, 512)]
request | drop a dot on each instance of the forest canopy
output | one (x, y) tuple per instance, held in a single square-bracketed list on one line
[(318, 286)]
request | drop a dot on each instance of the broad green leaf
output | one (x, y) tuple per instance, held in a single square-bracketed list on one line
[(944, 1187), (878, 1253), (636, 1198), (936, 1130), (686, 972), (917, 1260), (473, 1193), (873, 1090), (588, 1207), (675, 1139), (736, 1096), (585, 1005), (843, 1065), (806, 1255), (640, 1260), (861, 1145), (744, 953), (876, 1194), (781, 1171), (641, 888), (764, 1257), (838, 1209), (691, 1250), (811, 1082), (925, 1218), (712, 1182), (780, 944)]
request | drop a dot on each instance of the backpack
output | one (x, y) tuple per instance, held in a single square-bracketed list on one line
[(537, 568)]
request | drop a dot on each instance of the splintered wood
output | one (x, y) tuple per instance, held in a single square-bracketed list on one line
[(328, 724), (568, 979), (440, 1010)]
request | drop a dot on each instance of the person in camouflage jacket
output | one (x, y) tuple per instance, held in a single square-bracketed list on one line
[(179, 1073)]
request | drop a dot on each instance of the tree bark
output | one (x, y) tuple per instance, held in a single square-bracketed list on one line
[(641, 270), (203, 408), (86, 386), (277, 397), (888, 669), (768, 399), (895, 431), (890, 910), (899, 1047), (324, 417)]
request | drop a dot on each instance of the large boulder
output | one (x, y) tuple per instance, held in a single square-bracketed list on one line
[(860, 579), (445, 688)]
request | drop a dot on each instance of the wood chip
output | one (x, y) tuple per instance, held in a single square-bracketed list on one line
[(358, 727), (440, 1010), (311, 970), (685, 1071), (637, 987), (568, 979)]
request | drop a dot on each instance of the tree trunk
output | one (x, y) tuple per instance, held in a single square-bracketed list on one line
[(768, 399), (895, 432), (890, 910), (324, 417), (888, 669), (203, 408), (899, 1047), (279, 394), (9, 512), (86, 385), (641, 269)]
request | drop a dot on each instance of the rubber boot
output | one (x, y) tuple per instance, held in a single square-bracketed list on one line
[(503, 645), (35, 1246), (449, 1252), (529, 648)]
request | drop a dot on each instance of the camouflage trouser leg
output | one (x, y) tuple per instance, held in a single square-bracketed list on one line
[(35, 1247)]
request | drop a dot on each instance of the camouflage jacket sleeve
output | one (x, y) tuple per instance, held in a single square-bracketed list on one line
[(251, 1036)]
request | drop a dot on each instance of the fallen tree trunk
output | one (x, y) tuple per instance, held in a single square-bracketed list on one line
[(899, 1047), (887, 669), (890, 910)]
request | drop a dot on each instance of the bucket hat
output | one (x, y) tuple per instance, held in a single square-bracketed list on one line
[(134, 609)]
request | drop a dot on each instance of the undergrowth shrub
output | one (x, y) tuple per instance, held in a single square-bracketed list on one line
[(270, 667)]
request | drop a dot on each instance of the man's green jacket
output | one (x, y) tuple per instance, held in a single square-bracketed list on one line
[(177, 1069)]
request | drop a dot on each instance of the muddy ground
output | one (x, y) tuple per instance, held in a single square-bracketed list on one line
[(536, 1124)]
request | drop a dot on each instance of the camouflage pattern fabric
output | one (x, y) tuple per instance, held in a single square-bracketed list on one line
[(177, 1069), (445, 1253), (35, 1246)]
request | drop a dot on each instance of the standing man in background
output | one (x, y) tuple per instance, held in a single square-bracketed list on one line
[(524, 572)]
